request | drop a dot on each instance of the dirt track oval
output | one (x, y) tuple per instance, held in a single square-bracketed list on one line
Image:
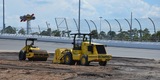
[(119, 68), (16, 45)]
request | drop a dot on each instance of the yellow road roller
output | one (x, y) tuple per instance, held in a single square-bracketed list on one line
[(32, 52), (83, 52)]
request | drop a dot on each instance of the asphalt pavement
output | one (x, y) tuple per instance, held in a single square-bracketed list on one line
[(15, 45)]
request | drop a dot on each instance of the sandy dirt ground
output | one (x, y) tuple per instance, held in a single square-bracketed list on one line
[(119, 68)]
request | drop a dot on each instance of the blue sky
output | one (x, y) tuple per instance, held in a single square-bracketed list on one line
[(153, 2), (48, 10)]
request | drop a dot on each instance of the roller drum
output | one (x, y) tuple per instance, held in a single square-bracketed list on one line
[(39, 55)]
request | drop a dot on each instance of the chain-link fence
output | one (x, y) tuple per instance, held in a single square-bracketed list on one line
[(143, 29)]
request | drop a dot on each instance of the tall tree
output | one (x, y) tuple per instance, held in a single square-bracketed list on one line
[(146, 34), (21, 31), (46, 33), (35, 33), (63, 33), (95, 34), (158, 35), (124, 35), (56, 33), (111, 34), (66, 33), (102, 35), (135, 34), (10, 30), (153, 37)]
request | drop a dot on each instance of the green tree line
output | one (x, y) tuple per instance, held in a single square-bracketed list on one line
[(134, 35)]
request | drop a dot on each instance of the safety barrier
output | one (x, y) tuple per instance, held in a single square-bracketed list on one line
[(112, 43)]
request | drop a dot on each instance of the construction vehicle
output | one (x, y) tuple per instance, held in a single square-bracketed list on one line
[(83, 52), (32, 52)]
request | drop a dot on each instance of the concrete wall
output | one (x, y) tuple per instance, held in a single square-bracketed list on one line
[(113, 43)]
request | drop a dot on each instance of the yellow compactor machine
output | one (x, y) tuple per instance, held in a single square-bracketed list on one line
[(33, 53), (83, 52)]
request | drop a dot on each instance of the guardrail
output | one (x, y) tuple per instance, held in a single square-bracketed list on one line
[(112, 43)]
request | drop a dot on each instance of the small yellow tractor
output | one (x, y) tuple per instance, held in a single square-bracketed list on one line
[(33, 53), (83, 52)]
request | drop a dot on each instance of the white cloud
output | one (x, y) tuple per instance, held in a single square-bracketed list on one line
[(153, 12), (47, 10), (123, 8), (88, 10)]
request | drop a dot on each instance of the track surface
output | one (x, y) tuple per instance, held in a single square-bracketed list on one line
[(119, 68), (16, 45)]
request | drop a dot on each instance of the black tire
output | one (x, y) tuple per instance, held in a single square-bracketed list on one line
[(68, 59), (78, 63), (37, 59), (102, 63), (30, 59), (22, 55), (84, 60), (44, 59)]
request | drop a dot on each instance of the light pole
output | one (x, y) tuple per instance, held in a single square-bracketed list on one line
[(100, 28), (79, 16), (131, 27), (3, 17)]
